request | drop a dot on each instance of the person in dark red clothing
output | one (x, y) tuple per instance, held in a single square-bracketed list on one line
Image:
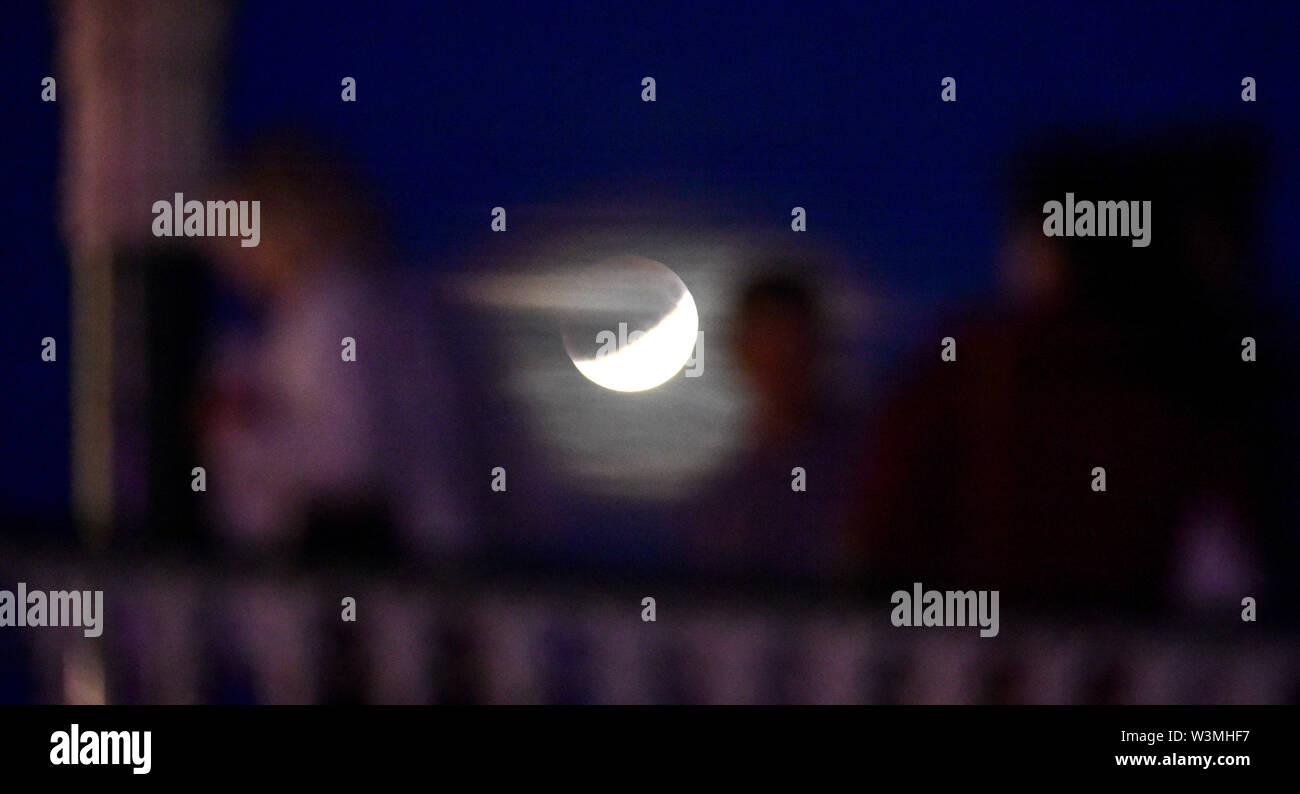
[(983, 472)]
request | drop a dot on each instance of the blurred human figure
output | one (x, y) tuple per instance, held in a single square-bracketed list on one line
[(778, 346), (985, 471), (326, 423), (772, 511)]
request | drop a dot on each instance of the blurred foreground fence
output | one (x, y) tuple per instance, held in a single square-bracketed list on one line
[(184, 635)]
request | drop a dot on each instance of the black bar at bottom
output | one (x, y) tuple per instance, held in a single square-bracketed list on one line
[(558, 744)]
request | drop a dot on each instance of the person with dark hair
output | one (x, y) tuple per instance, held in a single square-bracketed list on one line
[(778, 345), (772, 512)]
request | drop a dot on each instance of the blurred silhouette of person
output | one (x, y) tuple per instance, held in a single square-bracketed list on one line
[(752, 521), (306, 449), (982, 470)]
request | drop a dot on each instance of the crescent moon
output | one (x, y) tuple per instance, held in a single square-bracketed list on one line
[(653, 358)]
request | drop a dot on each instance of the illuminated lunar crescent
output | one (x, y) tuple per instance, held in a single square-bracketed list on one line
[(651, 359), (659, 351)]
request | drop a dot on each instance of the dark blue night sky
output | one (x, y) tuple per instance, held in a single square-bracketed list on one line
[(834, 108)]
